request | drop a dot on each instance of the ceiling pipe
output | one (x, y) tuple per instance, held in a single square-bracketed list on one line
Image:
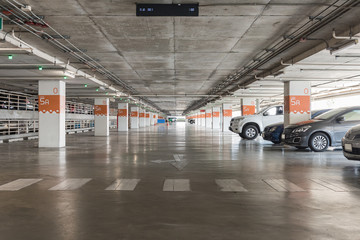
[(285, 64), (343, 37)]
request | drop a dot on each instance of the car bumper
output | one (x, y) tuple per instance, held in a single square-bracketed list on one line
[(234, 129), (296, 141), (273, 137), (351, 150)]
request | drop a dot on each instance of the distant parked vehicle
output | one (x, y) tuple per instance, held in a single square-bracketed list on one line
[(273, 132), (325, 130), (249, 127), (351, 144), (191, 121)]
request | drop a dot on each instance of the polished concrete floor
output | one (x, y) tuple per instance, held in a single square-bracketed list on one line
[(224, 188)]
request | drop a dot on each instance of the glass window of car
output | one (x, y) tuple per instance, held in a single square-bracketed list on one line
[(270, 112), (330, 114), (353, 115)]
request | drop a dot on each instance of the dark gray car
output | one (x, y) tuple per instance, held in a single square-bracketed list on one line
[(351, 144), (326, 130)]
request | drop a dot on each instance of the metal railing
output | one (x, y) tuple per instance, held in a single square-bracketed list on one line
[(17, 101), (17, 127), (79, 108)]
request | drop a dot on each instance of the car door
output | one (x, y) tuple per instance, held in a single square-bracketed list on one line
[(273, 115), (344, 122)]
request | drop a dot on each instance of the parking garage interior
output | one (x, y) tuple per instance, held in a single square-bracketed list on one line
[(159, 119)]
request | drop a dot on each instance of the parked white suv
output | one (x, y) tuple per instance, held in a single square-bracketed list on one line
[(249, 127)]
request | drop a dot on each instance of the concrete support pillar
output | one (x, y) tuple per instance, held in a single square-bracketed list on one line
[(123, 117), (202, 116), (101, 111), (216, 118), (152, 119), (142, 118), (248, 106), (297, 103), (226, 116), (208, 118), (147, 119), (198, 121), (134, 117), (52, 113), (257, 105)]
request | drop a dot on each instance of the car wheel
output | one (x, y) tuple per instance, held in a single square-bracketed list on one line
[(298, 147), (250, 132), (319, 142)]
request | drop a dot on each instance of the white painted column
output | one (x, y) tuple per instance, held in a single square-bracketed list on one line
[(208, 118), (297, 104), (226, 116), (142, 118), (216, 118), (123, 117), (202, 115), (248, 106), (257, 105), (147, 119), (52, 113), (134, 118), (101, 111)]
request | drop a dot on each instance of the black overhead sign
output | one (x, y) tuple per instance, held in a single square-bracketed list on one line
[(190, 10)]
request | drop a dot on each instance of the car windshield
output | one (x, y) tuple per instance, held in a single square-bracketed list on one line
[(329, 114)]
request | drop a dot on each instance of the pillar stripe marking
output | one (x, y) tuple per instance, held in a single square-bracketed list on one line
[(123, 185), (283, 185), (70, 184), (230, 185), (335, 186), (176, 185), (19, 184)]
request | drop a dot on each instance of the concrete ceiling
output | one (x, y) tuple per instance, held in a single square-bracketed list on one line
[(172, 56)]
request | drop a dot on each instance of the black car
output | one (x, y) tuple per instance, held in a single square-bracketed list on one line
[(351, 144), (273, 132), (323, 131)]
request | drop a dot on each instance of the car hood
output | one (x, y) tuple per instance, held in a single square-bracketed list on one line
[(355, 130), (308, 122), (275, 125)]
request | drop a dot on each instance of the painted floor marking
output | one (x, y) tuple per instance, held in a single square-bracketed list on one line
[(19, 184), (283, 185), (230, 185), (70, 184), (176, 185), (335, 186), (123, 185), (180, 163)]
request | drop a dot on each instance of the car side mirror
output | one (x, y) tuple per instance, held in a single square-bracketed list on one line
[(265, 114), (340, 119)]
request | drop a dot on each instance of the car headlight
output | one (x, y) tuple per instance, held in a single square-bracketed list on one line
[(347, 135), (273, 129), (301, 129)]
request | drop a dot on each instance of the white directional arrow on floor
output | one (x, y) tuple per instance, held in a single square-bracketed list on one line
[(180, 163), (162, 161)]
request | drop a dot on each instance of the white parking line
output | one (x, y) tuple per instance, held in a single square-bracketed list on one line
[(335, 186), (230, 185), (283, 185), (176, 185), (70, 184), (123, 185), (19, 184)]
